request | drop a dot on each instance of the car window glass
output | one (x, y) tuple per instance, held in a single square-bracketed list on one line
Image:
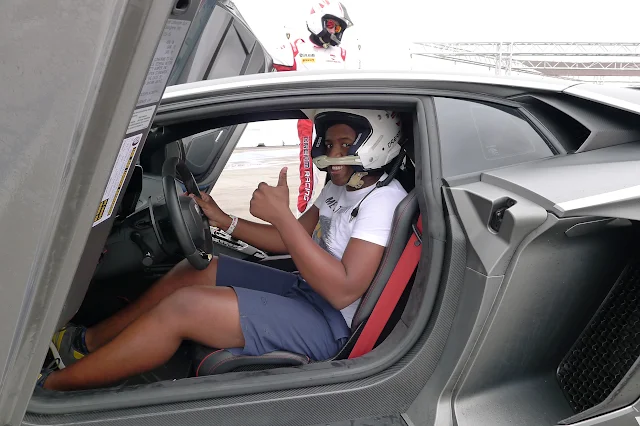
[(263, 150), (476, 136)]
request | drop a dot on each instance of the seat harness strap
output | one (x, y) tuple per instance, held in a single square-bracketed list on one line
[(391, 294)]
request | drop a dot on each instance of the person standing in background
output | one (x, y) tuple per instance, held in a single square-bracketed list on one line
[(319, 50)]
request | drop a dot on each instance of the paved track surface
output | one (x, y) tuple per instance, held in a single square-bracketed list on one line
[(246, 168)]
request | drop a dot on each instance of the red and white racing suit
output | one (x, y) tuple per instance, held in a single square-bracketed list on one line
[(301, 55)]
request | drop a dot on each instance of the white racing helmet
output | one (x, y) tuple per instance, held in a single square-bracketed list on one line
[(378, 138), (321, 12)]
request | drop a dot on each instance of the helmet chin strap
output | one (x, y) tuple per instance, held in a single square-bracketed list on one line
[(355, 181), (333, 40), (324, 43)]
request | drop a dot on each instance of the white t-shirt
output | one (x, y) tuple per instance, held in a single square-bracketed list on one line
[(372, 224)]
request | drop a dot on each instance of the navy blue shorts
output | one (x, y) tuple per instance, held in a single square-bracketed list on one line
[(280, 311)]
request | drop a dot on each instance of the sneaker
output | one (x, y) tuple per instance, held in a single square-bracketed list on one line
[(42, 377), (69, 343)]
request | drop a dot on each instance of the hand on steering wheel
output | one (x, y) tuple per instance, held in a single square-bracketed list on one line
[(189, 222), (211, 209)]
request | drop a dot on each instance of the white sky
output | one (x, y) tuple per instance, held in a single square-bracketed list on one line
[(385, 31), (390, 27), (463, 20)]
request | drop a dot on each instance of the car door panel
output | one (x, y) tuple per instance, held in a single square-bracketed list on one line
[(549, 292), (526, 297), (222, 46), (495, 222), (533, 283)]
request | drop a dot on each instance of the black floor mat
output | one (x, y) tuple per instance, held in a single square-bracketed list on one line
[(608, 347), (105, 299)]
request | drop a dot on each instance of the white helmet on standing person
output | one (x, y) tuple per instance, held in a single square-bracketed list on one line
[(327, 22), (378, 142)]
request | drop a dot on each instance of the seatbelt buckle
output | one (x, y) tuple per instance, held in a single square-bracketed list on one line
[(417, 233)]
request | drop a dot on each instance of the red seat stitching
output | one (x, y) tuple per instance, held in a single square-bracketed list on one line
[(204, 359)]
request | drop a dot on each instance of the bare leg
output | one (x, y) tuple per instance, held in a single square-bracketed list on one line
[(182, 275), (208, 315)]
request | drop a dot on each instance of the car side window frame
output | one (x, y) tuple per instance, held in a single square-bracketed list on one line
[(517, 110)]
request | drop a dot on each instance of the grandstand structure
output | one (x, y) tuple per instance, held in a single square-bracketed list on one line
[(583, 61)]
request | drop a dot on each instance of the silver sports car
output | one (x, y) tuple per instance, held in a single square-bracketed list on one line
[(524, 198), (509, 287)]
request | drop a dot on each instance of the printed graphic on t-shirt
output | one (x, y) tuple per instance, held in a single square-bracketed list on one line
[(322, 235), (332, 203)]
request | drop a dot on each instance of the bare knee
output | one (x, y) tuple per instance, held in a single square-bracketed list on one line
[(192, 306), (184, 275)]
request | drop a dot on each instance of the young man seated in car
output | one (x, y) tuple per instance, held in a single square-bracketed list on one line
[(248, 308)]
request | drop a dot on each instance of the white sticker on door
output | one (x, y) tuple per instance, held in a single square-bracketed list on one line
[(141, 119), (118, 175), (174, 33)]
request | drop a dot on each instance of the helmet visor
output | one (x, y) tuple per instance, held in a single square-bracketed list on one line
[(333, 24)]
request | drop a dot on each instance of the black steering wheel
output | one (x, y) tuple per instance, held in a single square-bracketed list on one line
[(189, 222)]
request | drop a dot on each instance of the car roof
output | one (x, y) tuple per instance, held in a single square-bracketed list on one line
[(305, 77), (502, 86)]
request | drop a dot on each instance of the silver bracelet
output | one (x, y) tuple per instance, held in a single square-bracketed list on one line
[(234, 222)]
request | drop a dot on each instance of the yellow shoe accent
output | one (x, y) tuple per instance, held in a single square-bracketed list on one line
[(57, 338), (62, 343)]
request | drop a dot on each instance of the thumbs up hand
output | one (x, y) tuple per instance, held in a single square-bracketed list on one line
[(282, 178), (270, 203)]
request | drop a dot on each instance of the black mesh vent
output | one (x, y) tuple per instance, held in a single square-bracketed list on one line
[(608, 346)]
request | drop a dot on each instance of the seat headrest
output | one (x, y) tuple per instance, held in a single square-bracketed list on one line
[(404, 217)]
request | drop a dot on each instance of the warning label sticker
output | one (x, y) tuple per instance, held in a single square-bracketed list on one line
[(164, 58), (118, 175), (141, 119), (174, 33)]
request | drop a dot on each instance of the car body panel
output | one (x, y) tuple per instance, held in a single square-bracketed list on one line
[(485, 350), (441, 81), (587, 183), (208, 54), (101, 230), (620, 97), (477, 284), (219, 44), (73, 96)]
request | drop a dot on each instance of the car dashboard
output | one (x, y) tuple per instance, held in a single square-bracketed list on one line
[(142, 239)]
